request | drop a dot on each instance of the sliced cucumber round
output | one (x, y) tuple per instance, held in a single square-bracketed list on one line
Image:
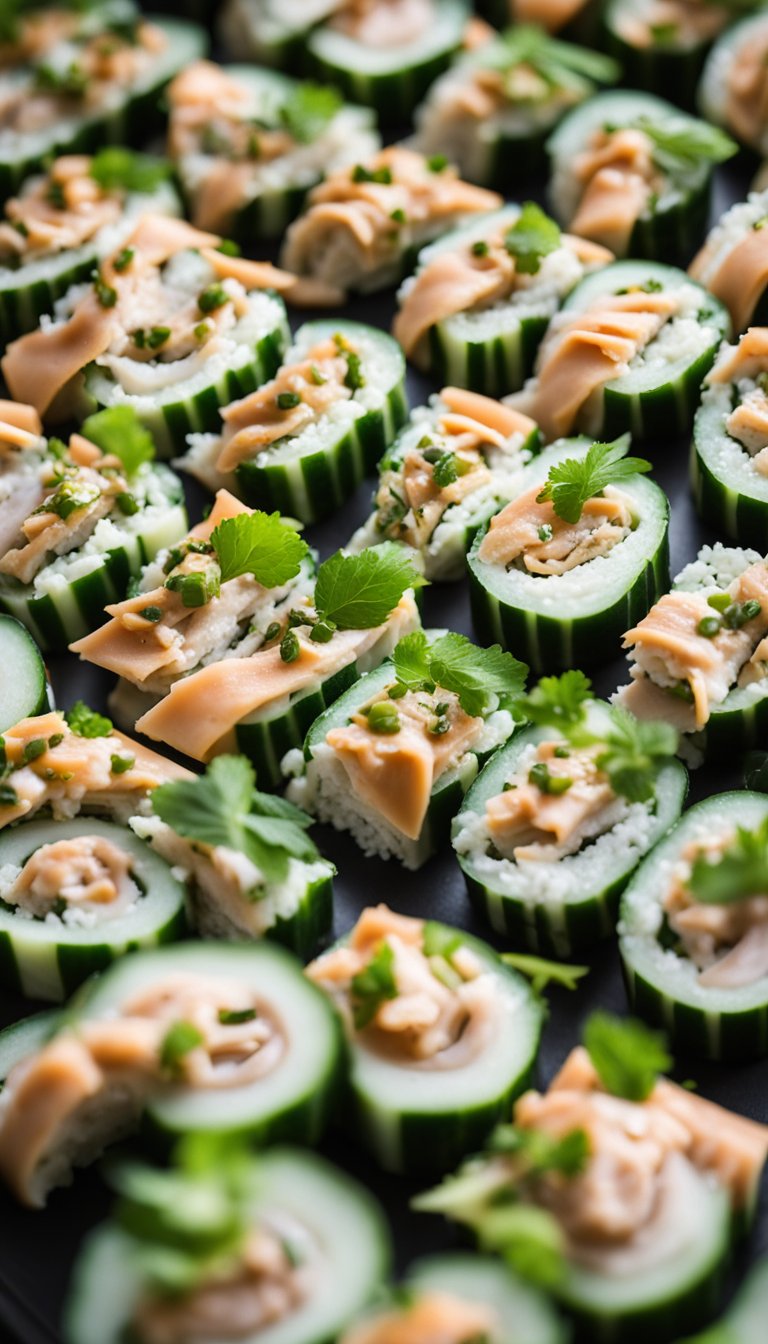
[(712, 96), (574, 619), (47, 957), (731, 494), (670, 64), (348, 1240), (563, 908), (523, 1311), (662, 982), (293, 1099), (24, 688)]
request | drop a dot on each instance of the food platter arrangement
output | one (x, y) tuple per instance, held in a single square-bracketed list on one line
[(383, 672)]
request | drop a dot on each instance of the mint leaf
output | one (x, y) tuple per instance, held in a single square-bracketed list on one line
[(119, 431), (308, 110), (740, 871), (627, 1056), (85, 722), (372, 986), (359, 592), (557, 702), (634, 752), (572, 482), (533, 236), (117, 169), (478, 676), (260, 544)]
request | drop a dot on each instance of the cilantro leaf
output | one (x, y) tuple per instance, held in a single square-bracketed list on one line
[(119, 431), (358, 592), (634, 752), (411, 659), (260, 544), (372, 986), (557, 702), (572, 482), (681, 143), (627, 1056), (85, 722), (538, 1152), (740, 871), (116, 168), (533, 236), (478, 676), (543, 973), (308, 109)]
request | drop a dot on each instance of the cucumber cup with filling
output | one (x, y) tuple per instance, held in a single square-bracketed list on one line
[(429, 1075), (662, 44), (732, 262), (27, 692), (733, 86), (729, 464)]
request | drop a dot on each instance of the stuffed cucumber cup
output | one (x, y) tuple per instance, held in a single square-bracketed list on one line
[(556, 578), (305, 440), (550, 831), (631, 172), (744, 1320), (426, 1089), (479, 302), (693, 932), (391, 760), (662, 45), (170, 327), (573, 19), (263, 705), (79, 520), (59, 226), (27, 692), (78, 79), (627, 351), (74, 896), (451, 468), (699, 658), (732, 263), (252, 1238), (733, 86), (493, 110), (729, 461), (248, 145)]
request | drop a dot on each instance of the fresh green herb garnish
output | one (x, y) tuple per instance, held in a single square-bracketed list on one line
[(153, 614), (543, 973), (481, 678), (558, 702), (633, 753), (383, 176), (118, 432), (198, 587), (180, 1038), (68, 497), (575, 480), (560, 65), (260, 544), (359, 592), (32, 750), (119, 765), (383, 717), (123, 259), (480, 248), (737, 873), (116, 168), (308, 110), (681, 144), (627, 1056), (290, 647), (211, 298), (233, 1017), (533, 236), (106, 294), (372, 986), (85, 722), (287, 401), (437, 163), (540, 775)]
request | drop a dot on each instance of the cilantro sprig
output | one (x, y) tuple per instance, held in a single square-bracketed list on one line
[(481, 678), (260, 544), (627, 1056), (359, 592), (735, 874), (573, 481), (531, 238), (116, 168), (118, 431), (558, 702)]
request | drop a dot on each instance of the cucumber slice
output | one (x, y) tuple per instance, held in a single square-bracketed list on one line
[(733, 229), (293, 1099), (24, 1038), (724, 57), (523, 1312), (670, 64), (348, 1235), (574, 619), (731, 494), (24, 690), (561, 909), (663, 983), (744, 1320), (674, 219), (46, 958)]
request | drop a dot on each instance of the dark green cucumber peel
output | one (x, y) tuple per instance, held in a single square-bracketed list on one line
[(734, 502)]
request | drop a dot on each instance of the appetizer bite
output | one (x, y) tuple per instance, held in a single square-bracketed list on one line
[(631, 172), (493, 110), (452, 466), (699, 658), (442, 1037), (734, 86), (619, 1186), (661, 45), (78, 519), (306, 439), (556, 822), (55, 231), (172, 327), (28, 692), (627, 351), (391, 760), (362, 225), (73, 78), (264, 704), (558, 571), (694, 930), (480, 299), (569, 17), (733, 263), (248, 144), (261, 1266)]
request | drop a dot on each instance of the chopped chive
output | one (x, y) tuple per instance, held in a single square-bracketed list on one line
[(383, 717), (153, 614), (120, 764), (232, 1017), (709, 626), (211, 298), (287, 401), (157, 337), (32, 750), (539, 775), (289, 647), (127, 503), (123, 259), (480, 248)]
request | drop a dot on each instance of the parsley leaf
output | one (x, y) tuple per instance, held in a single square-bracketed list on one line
[(308, 110), (116, 169), (358, 592), (533, 236), (627, 1056), (260, 544), (740, 871), (573, 481), (634, 751), (483, 679), (85, 722), (119, 431), (680, 143), (557, 702), (543, 973), (180, 1038), (372, 986)]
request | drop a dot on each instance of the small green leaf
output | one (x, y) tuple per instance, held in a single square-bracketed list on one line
[(557, 702), (359, 592), (481, 678), (633, 753), (542, 973), (681, 144), (309, 109), (116, 168), (260, 544), (572, 482), (627, 1056), (739, 872), (86, 722), (180, 1038), (533, 236), (372, 986), (118, 430)]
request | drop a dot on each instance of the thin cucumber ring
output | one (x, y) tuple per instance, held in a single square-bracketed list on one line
[(524, 1312), (731, 496), (27, 692), (48, 960)]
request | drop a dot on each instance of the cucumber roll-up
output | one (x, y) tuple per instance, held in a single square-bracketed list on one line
[(554, 825), (445, 474), (28, 691), (79, 519), (77, 77), (461, 1297), (493, 110), (627, 351), (631, 172), (744, 1319), (662, 45), (76, 895), (694, 932), (264, 704), (618, 1186), (363, 225), (279, 1249), (305, 440), (734, 85), (574, 19), (248, 144), (700, 657), (580, 550), (442, 1037), (478, 304), (252, 869), (171, 327), (733, 262), (61, 223), (729, 462), (391, 761)]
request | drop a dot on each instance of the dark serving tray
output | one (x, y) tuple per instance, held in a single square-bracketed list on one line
[(37, 1250)]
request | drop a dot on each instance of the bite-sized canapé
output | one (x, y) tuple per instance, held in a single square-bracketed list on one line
[(729, 467), (733, 263), (662, 44), (734, 88)]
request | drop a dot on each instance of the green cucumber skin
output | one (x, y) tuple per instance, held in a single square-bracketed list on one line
[(660, 1322), (18, 650), (495, 366), (22, 306), (393, 95), (672, 235), (310, 927), (731, 510), (673, 75)]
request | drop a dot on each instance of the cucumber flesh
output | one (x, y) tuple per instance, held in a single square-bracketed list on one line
[(523, 1311), (744, 1321), (24, 690)]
